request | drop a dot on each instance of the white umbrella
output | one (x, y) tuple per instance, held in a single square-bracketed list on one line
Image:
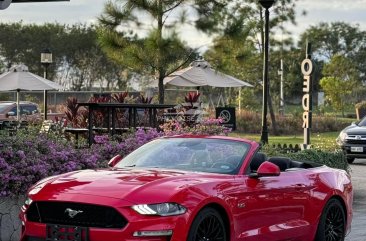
[(200, 73), (19, 78)]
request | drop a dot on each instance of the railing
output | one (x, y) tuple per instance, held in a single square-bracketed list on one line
[(284, 148), (111, 109)]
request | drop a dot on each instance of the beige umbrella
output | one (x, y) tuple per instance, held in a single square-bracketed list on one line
[(19, 78), (200, 73)]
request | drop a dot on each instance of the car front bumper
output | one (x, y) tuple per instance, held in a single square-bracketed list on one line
[(347, 149), (138, 228)]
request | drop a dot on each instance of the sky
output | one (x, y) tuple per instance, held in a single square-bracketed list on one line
[(86, 11)]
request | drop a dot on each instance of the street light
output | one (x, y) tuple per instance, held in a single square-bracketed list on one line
[(267, 4), (46, 60)]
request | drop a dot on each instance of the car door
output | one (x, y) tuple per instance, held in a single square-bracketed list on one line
[(271, 208)]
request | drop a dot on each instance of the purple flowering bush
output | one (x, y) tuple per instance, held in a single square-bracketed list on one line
[(30, 156), (205, 127)]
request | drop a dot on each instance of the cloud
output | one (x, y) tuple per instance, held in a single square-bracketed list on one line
[(87, 11)]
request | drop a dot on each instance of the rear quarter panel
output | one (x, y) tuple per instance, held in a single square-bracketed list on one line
[(326, 183)]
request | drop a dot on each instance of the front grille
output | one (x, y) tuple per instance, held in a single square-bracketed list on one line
[(354, 141), (87, 215)]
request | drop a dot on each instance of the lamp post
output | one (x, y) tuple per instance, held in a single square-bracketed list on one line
[(267, 4), (46, 60)]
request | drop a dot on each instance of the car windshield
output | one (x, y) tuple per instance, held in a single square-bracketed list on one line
[(362, 122), (190, 154), (4, 106)]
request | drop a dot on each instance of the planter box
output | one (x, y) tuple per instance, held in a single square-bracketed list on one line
[(360, 113), (10, 225)]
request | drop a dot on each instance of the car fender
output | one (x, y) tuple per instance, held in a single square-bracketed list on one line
[(210, 201)]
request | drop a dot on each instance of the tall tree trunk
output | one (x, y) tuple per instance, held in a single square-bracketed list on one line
[(273, 116), (161, 89)]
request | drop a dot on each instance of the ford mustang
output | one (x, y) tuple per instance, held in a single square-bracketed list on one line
[(192, 188)]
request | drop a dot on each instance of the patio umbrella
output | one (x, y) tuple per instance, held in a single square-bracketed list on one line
[(19, 78), (200, 73)]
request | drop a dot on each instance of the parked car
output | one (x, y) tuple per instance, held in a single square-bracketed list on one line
[(8, 110), (189, 188), (352, 140)]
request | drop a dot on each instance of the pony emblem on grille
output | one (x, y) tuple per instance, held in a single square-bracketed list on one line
[(72, 213)]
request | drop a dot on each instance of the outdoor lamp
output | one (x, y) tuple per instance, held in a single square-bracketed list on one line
[(266, 3), (46, 60), (264, 135)]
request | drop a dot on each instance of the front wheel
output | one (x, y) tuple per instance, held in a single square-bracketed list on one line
[(208, 226), (332, 223), (350, 160)]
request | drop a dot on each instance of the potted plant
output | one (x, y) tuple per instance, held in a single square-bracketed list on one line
[(360, 109)]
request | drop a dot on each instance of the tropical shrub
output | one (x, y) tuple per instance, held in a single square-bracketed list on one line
[(250, 122), (332, 158)]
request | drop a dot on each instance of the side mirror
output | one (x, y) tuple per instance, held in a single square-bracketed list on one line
[(353, 123), (114, 160), (11, 113), (267, 169)]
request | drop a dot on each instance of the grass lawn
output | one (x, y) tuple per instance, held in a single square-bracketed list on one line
[(319, 139)]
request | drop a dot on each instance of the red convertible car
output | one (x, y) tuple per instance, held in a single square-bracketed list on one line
[(188, 188)]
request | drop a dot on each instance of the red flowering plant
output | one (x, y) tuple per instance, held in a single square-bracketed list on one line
[(188, 113), (121, 113), (143, 119), (99, 115)]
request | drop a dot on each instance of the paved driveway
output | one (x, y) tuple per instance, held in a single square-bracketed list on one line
[(358, 232)]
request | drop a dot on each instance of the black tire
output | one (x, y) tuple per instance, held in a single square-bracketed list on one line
[(350, 160), (332, 223), (208, 225)]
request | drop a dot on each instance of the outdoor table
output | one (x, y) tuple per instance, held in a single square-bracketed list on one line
[(132, 118)]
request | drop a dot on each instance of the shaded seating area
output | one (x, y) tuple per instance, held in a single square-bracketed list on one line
[(111, 111)]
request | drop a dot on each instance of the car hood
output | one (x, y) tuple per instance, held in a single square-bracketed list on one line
[(128, 184), (355, 130)]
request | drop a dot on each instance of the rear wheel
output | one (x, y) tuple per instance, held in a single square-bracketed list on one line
[(208, 226), (332, 223)]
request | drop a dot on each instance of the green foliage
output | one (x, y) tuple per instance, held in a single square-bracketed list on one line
[(339, 81), (159, 51), (336, 89), (78, 60), (250, 122), (341, 67), (337, 38), (334, 159)]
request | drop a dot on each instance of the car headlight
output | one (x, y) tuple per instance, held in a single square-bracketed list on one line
[(28, 201), (160, 209), (342, 136)]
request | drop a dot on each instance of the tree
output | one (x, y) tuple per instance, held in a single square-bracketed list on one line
[(239, 48), (160, 51), (78, 60), (338, 38), (340, 78)]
